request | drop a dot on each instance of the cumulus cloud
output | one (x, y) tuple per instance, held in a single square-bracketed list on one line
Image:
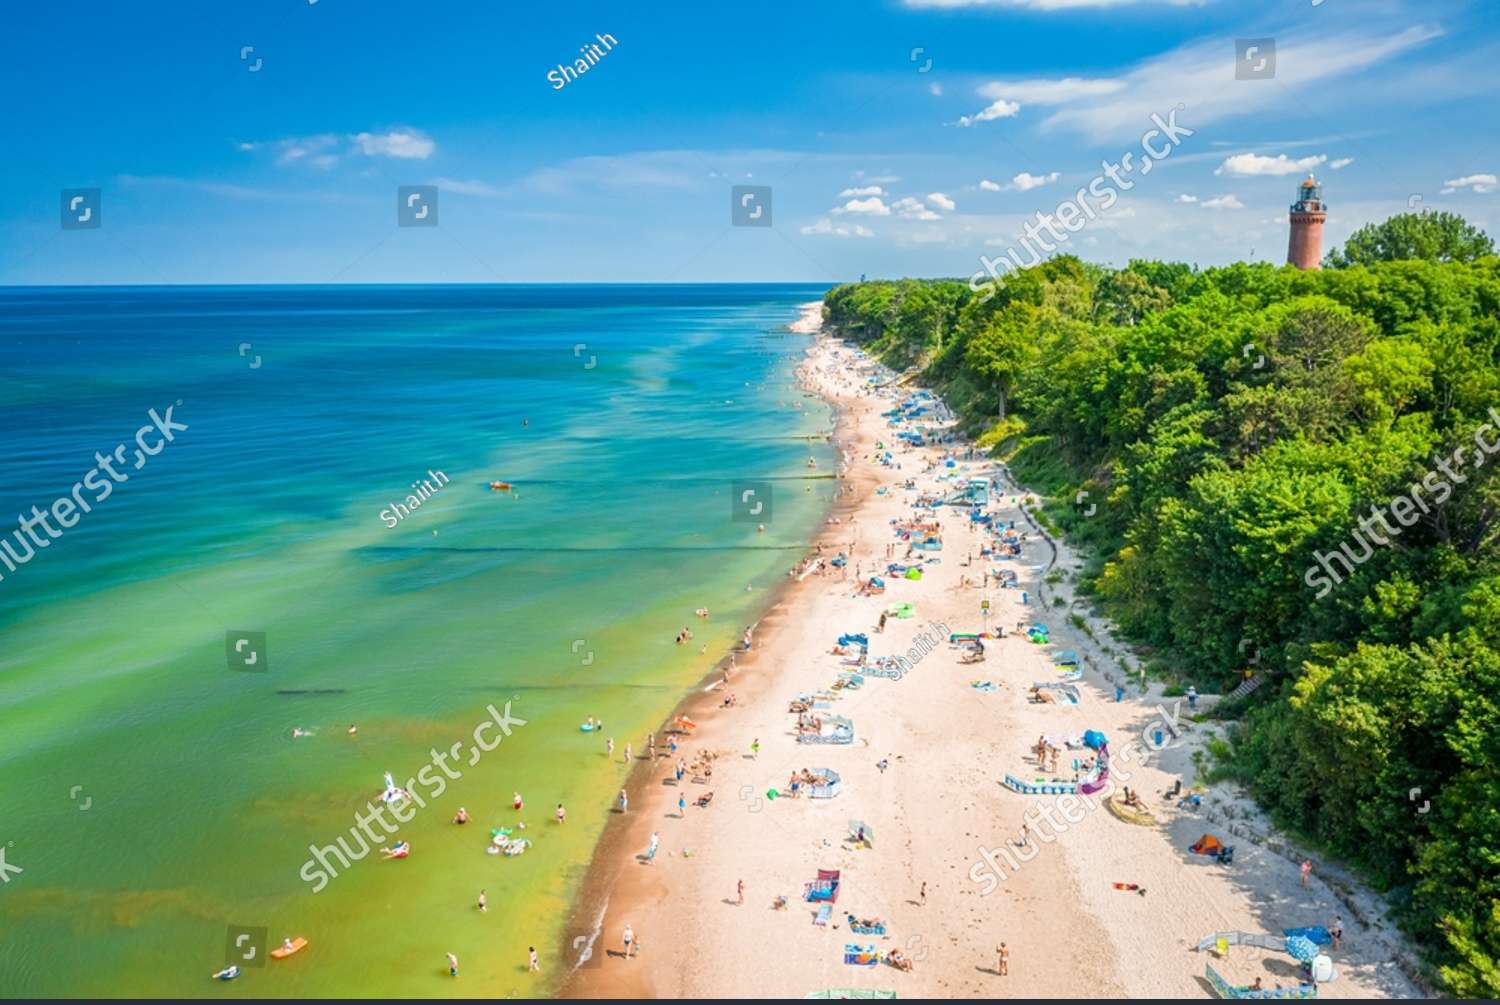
[(1184, 197), (1342, 162), (990, 186), (873, 206), (827, 226), (912, 209), (865, 190), (1001, 109), (941, 201), (404, 144), (1026, 181), (1252, 165), (1480, 183), (1222, 202)]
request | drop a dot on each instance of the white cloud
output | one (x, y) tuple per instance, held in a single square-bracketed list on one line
[(1184, 197), (989, 186), (872, 206), (941, 201), (1001, 109), (935, 89), (1026, 181), (912, 209), (1252, 165), (1223, 202), (1198, 80), (1480, 183), (403, 144), (1342, 162), (324, 150), (865, 190), (826, 226), (1051, 92)]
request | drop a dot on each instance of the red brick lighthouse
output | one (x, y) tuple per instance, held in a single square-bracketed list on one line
[(1304, 247)]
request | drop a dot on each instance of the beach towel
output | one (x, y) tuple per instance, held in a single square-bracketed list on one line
[(860, 956), (825, 913)]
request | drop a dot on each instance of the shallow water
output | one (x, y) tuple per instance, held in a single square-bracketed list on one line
[(154, 796)]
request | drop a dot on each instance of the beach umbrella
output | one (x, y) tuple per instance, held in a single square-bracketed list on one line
[(1301, 948)]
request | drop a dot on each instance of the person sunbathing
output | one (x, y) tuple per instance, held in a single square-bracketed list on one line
[(899, 961)]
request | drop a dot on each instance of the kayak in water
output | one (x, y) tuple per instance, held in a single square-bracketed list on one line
[(229, 973), (288, 947)]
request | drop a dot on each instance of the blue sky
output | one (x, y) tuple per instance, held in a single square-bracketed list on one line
[(880, 163)]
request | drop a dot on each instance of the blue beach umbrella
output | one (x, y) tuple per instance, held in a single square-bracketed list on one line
[(1301, 948)]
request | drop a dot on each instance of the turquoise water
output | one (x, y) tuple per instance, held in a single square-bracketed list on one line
[(155, 797)]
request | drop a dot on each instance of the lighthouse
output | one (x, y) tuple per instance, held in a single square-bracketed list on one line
[(1304, 247)]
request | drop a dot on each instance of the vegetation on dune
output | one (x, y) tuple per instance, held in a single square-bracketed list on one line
[(1230, 425)]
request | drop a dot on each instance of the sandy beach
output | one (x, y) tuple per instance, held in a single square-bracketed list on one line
[(924, 775)]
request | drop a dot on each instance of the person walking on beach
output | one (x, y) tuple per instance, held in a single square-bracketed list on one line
[(922, 895), (452, 965), (755, 749), (483, 904), (739, 890), (651, 745), (515, 801), (1306, 871), (651, 851), (624, 801), (681, 807), (1003, 963), (1337, 931), (629, 938), (627, 753), (609, 747), (534, 964)]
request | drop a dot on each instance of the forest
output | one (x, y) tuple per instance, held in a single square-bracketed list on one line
[(1283, 477)]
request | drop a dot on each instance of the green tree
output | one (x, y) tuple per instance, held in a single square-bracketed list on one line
[(1431, 236)]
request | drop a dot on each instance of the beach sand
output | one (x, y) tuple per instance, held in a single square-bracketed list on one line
[(939, 806)]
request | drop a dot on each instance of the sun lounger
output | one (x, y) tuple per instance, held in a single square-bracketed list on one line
[(824, 915)]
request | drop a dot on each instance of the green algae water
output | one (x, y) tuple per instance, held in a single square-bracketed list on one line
[(245, 581)]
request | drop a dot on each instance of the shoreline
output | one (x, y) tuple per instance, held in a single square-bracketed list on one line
[(583, 935), (945, 746)]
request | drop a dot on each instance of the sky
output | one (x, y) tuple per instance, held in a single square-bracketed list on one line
[(265, 141)]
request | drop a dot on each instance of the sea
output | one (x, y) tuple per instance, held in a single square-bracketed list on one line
[(162, 641)]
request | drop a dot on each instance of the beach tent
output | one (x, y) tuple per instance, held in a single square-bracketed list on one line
[(902, 611), (828, 785), (1207, 845), (913, 573)]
